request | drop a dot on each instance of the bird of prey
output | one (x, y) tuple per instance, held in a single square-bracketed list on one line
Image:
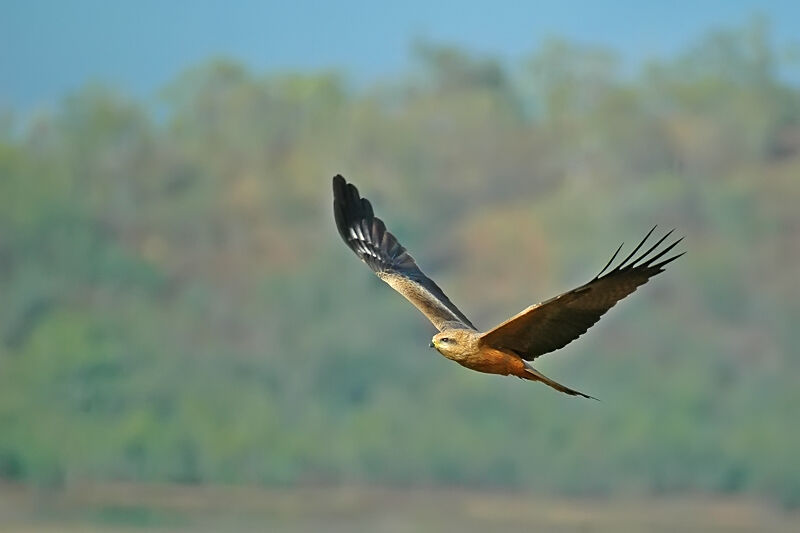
[(509, 347)]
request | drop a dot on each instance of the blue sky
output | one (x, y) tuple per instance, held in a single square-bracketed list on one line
[(48, 48)]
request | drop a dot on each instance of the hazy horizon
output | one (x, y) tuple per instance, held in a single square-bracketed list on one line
[(140, 46)]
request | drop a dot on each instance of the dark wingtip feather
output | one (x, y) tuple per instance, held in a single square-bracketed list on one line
[(366, 208), (609, 261), (625, 261), (642, 257), (339, 188), (660, 254), (352, 195), (349, 209), (340, 205), (643, 261), (660, 266)]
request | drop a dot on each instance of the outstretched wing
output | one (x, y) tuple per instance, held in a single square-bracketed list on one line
[(367, 236), (553, 324)]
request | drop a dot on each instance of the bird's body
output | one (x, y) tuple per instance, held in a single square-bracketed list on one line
[(465, 347), (508, 348)]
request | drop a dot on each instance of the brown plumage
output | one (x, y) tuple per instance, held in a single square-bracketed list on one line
[(507, 348)]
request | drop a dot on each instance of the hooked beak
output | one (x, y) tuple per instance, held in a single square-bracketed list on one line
[(431, 345)]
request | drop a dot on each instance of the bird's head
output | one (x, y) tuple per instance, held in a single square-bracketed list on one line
[(454, 343)]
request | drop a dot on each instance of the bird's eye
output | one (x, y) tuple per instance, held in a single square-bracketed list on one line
[(444, 339)]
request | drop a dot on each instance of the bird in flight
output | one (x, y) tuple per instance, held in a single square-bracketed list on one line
[(510, 347)]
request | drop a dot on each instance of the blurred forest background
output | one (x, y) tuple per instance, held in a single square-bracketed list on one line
[(178, 307)]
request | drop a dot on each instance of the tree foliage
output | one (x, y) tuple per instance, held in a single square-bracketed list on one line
[(177, 305)]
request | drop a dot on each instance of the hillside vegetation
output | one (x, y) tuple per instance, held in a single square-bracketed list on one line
[(177, 305)]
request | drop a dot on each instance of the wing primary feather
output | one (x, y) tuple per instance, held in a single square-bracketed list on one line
[(385, 242), (359, 233), (660, 266), (609, 261), (352, 192), (635, 262), (376, 232), (366, 208), (661, 253), (624, 261), (340, 191)]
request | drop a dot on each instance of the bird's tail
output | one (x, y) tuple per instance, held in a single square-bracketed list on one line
[(534, 375)]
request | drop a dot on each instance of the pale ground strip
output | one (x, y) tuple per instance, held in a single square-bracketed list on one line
[(117, 508)]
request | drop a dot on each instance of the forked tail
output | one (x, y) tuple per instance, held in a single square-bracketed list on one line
[(534, 375)]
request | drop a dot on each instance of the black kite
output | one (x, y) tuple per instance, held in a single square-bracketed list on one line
[(506, 348)]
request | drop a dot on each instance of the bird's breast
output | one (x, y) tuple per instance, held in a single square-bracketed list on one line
[(494, 361)]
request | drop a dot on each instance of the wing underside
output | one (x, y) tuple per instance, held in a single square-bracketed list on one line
[(368, 237)]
